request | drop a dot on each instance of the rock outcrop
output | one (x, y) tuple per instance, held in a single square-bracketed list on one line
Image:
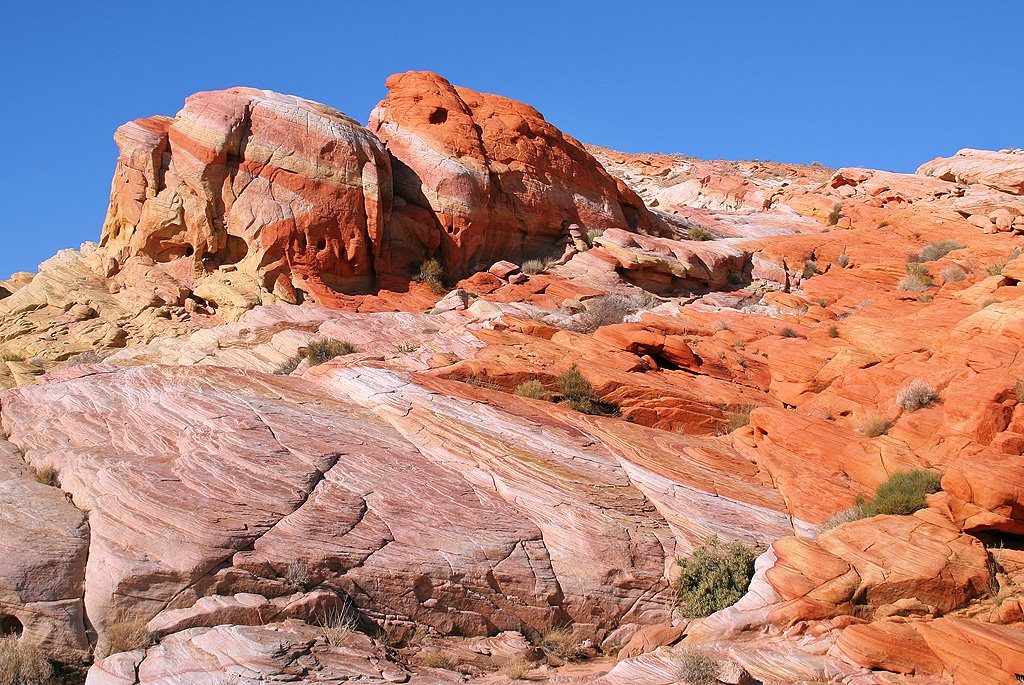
[(500, 467), (287, 192), (497, 180), (1000, 170)]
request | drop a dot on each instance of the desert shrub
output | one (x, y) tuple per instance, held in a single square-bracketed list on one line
[(721, 325), (337, 626), (714, 577), (700, 233), (431, 270), (561, 644), (606, 310), (326, 349), (592, 234), (533, 389), (996, 269), (694, 668), (533, 266), (737, 418), (288, 365), (937, 250), (577, 391), (810, 269), (917, 280), (47, 475), (128, 636), (407, 347), (435, 658), (298, 573), (902, 493), (875, 425), (836, 214), (788, 332), (90, 357), (917, 395), (844, 260), (953, 274), (988, 301), (854, 513), (11, 357), (1018, 388), (21, 663), (515, 669), (833, 331)]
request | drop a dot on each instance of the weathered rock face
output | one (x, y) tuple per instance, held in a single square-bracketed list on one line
[(291, 193), (1000, 170), (498, 180)]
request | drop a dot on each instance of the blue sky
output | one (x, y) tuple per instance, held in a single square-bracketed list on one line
[(879, 84)]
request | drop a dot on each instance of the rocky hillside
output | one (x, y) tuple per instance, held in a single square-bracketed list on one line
[(444, 399)]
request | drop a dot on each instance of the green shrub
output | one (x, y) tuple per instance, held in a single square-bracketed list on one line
[(700, 233), (591, 235), (533, 389), (836, 214), (577, 390), (694, 668), (326, 349), (714, 577), (917, 395), (407, 347), (902, 493), (11, 357), (21, 663), (937, 250), (432, 273), (533, 267), (918, 278), (996, 269), (810, 269), (431, 270)]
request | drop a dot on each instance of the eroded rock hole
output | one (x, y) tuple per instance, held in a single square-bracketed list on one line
[(10, 625), (438, 116)]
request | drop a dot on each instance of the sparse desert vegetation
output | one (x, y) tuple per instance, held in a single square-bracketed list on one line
[(714, 577), (326, 349)]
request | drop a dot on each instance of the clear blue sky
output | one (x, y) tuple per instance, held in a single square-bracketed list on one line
[(879, 84)]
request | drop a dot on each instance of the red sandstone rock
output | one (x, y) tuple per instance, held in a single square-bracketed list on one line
[(291, 193), (500, 181)]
